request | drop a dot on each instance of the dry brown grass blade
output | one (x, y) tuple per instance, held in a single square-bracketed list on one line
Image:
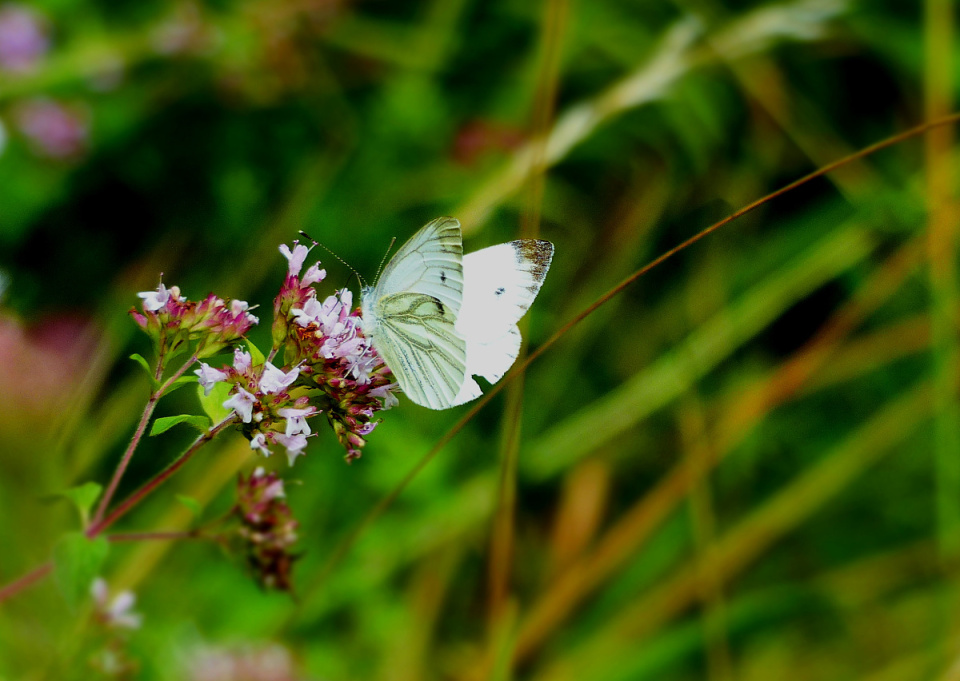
[(746, 410), (748, 540)]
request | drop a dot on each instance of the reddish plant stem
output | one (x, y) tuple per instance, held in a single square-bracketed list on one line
[(127, 455), (137, 436), (98, 527), (171, 535), (19, 585), (124, 506)]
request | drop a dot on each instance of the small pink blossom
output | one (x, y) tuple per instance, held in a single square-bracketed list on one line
[(259, 441), (209, 377), (295, 257), (385, 392), (117, 612), (242, 403), (295, 445), (314, 275), (274, 488), (55, 130), (309, 314), (241, 361), (23, 38), (296, 420), (274, 380), (154, 300)]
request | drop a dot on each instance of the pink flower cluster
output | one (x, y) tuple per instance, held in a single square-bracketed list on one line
[(173, 321), (267, 527), (328, 366), (23, 38), (272, 410), (325, 339)]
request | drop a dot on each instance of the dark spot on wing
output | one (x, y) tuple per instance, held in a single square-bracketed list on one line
[(443, 277), (500, 291)]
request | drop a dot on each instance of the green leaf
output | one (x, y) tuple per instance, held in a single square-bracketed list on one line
[(192, 504), (180, 382), (139, 359), (76, 563), (213, 403), (83, 497), (257, 358), (165, 423)]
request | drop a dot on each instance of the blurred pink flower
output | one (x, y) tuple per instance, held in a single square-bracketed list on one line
[(261, 663), (54, 130), (41, 365), (23, 38)]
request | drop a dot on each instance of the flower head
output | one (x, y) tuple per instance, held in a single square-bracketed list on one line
[(173, 321), (267, 528), (54, 130), (23, 38), (117, 612)]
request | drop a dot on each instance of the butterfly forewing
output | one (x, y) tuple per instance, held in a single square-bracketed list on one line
[(416, 338), (500, 283), (430, 262)]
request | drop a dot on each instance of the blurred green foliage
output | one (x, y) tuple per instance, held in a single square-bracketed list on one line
[(742, 467)]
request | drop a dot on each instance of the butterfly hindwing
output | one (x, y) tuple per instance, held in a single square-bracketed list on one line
[(416, 338), (490, 358)]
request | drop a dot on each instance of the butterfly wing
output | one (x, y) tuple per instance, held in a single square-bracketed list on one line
[(430, 262), (500, 283), (415, 336)]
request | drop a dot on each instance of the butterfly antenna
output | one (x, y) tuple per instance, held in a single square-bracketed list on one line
[(384, 259), (344, 262)]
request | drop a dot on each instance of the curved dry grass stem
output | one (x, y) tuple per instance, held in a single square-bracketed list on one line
[(500, 559), (350, 539)]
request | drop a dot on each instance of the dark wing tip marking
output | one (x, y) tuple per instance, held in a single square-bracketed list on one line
[(500, 291), (537, 251)]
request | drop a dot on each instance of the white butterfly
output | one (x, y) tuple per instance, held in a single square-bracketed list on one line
[(438, 318)]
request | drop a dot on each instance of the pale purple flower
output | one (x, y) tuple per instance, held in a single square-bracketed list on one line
[(335, 312), (259, 441), (367, 428), (314, 275), (274, 380), (117, 612), (295, 445), (294, 258), (296, 420), (309, 314), (385, 392), (241, 361), (242, 403), (209, 377), (23, 38), (271, 663), (154, 300), (274, 490), (54, 130)]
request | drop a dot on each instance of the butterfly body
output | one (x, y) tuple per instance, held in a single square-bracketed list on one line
[(438, 318)]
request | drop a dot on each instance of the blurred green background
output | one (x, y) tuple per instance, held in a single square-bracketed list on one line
[(746, 466)]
